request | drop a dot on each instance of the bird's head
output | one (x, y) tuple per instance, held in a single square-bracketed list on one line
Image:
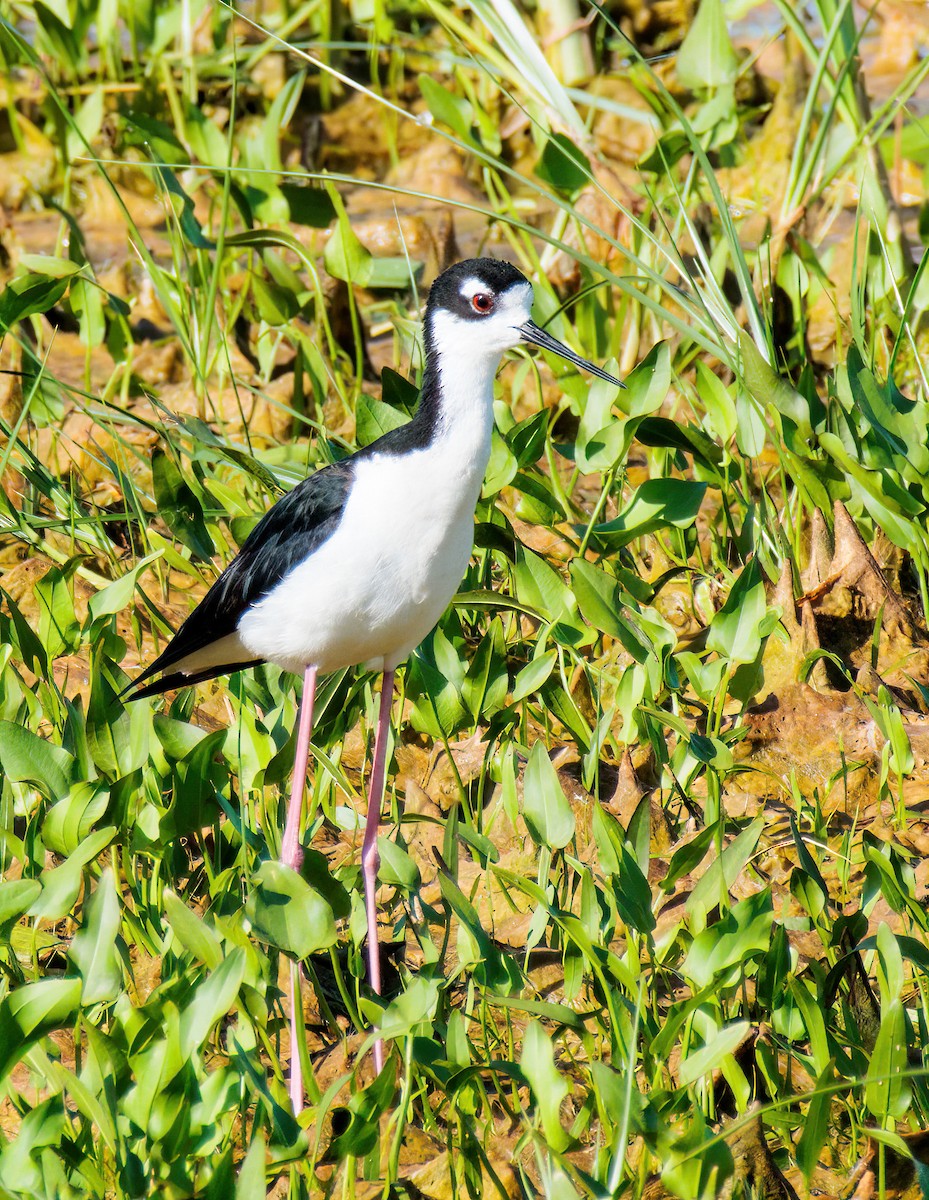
[(479, 308)]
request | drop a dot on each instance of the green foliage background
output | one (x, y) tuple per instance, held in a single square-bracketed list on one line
[(650, 940)]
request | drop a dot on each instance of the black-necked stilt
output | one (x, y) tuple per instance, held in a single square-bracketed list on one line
[(356, 564)]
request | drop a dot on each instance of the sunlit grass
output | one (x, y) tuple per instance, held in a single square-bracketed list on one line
[(652, 841)]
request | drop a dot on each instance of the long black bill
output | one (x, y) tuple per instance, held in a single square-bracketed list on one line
[(530, 332)]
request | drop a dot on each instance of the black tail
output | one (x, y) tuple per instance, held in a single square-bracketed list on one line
[(178, 679)]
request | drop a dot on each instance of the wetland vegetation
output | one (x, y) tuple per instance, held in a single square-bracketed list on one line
[(653, 881)]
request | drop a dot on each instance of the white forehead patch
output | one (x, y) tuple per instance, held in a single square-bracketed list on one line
[(471, 286)]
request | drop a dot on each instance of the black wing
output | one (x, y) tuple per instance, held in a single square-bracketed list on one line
[(287, 534)]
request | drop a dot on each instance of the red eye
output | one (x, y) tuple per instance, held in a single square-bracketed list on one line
[(482, 302)]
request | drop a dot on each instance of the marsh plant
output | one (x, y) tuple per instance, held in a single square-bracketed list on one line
[(653, 856)]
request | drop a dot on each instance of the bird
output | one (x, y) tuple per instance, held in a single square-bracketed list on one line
[(356, 565)]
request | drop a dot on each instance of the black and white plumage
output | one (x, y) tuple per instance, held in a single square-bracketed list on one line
[(357, 564)]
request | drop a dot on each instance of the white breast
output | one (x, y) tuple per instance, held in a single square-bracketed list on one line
[(375, 589)]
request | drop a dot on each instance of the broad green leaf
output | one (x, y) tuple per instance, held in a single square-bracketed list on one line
[(542, 588), (27, 758), (86, 299), (16, 897), (597, 597), (728, 945), (721, 873), (439, 709), (548, 814), (773, 390), (633, 894), (49, 265), (816, 1123), (275, 305), (71, 820), (453, 111), (563, 165), (179, 507), (655, 505), (119, 593), (396, 868), (93, 949), (736, 630), (549, 1086), (365, 1109), (890, 964), (413, 1008), (710, 1057), (288, 913), (31, 1011), (533, 675), (210, 1001), (887, 1091), (193, 933), (62, 885), (250, 1181), (374, 418), (647, 383), (27, 295), (706, 58)]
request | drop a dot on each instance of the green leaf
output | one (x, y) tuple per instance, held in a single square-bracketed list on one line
[(549, 1087), (453, 111), (647, 383), (533, 675), (93, 949), (276, 305), (706, 58), (250, 1182), (438, 707), (62, 885), (736, 630), (86, 300), (710, 1056), (210, 1002), (31, 1011), (396, 867), (179, 507), (887, 1091), (563, 164), (58, 625), (633, 894), (69, 822), (365, 1109), (542, 588), (655, 505), (374, 418), (117, 595), (720, 875), (49, 265), (308, 205), (549, 817), (727, 945), (184, 210), (286, 912), (156, 136), (816, 1123), (193, 933), (27, 758), (772, 390), (414, 1008), (16, 897), (597, 597)]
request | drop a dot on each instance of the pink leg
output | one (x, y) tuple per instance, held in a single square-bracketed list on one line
[(369, 856), (292, 856), (291, 851)]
